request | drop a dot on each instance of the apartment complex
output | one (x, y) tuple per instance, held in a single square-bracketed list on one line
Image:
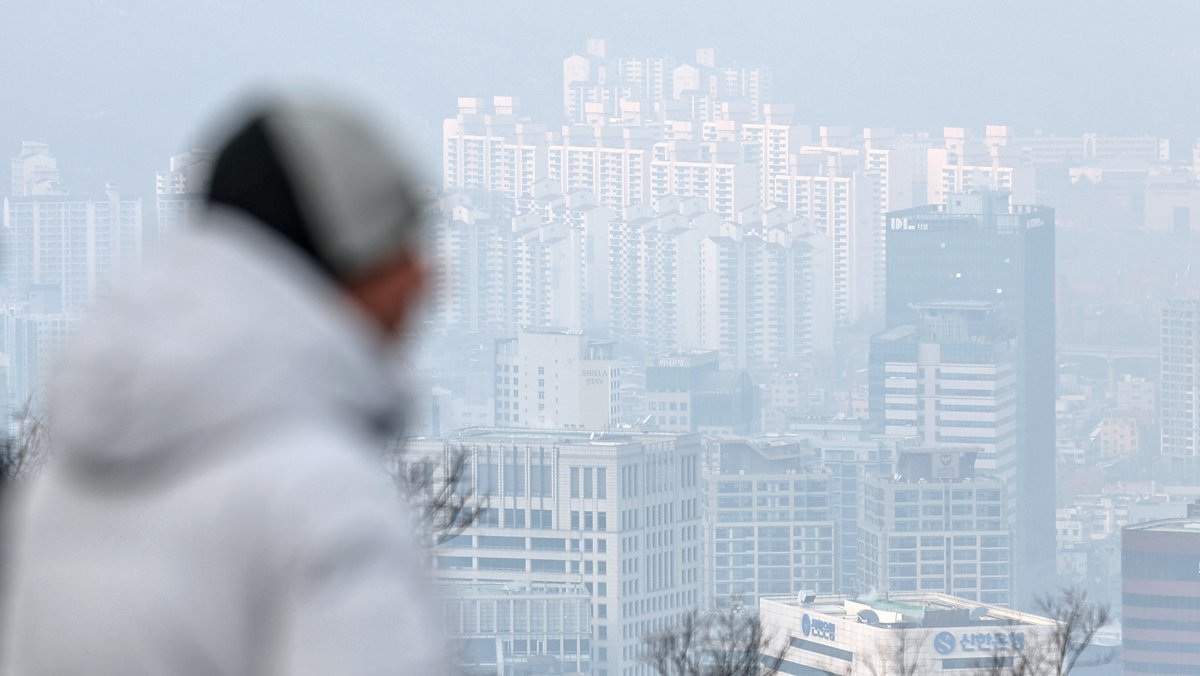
[(180, 191)]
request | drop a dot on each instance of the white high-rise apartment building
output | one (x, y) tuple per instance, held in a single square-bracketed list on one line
[(833, 193), (966, 164), (611, 162), (559, 261), (179, 192), (33, 338), (757, 296), (1179, 399), (544, 266), (775, 141), (716, 172), (595, 84), (488, 148), (79, 245), (618, 515), (654, 263), (35, 171), (554, 379), (471, 251)]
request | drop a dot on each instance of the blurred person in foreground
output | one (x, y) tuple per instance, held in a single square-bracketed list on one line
[(215, 502)]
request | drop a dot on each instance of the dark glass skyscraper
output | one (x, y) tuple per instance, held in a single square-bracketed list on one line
[(978, 247)]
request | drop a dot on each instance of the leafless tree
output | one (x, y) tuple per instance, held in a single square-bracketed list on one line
[(724, 642), (1024, 662), (23, 454), (441, 493), (1077, 619), (900, 655)]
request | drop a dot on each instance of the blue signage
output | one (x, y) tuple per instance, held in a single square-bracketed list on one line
[(946, 643), (812, 626)]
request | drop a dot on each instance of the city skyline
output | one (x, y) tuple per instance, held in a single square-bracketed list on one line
[(700, 339)]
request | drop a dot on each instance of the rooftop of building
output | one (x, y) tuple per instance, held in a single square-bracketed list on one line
[(556, 436), (899, 611), (482, 590), (1184, 525)]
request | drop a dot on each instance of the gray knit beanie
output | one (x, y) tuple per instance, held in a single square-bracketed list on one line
[(326, 180)]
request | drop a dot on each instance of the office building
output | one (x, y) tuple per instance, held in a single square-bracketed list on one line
[(1160, 596), (980, 247), (911, 633), (1179, 409), (935, 525), (688, 392), (550, 378), (950, 380), (525, 629), (618, 515), (769, 522)]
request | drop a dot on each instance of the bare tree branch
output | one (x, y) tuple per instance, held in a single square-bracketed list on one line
[(23, 455), (725, 642), (1077, 620), (441, 493)]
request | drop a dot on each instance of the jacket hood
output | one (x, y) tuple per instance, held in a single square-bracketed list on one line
[(225, 330)]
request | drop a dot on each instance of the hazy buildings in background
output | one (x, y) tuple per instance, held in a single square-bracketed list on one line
[(1180, 380), (679, 252), (937, 525), (1160, 596), (619, 515), (689, 392), (770, 522), (59, 253), (179, 191), (981, 247), (520, 627), (556, 379)]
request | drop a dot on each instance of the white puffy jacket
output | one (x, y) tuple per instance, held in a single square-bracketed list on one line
[(216, 503)]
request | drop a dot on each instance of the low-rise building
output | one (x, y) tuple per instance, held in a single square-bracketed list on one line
[(901, 634)]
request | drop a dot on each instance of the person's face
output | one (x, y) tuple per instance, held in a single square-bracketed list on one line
[(390, 293)]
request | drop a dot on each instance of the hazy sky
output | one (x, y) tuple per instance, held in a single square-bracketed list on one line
[(117, 85)]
